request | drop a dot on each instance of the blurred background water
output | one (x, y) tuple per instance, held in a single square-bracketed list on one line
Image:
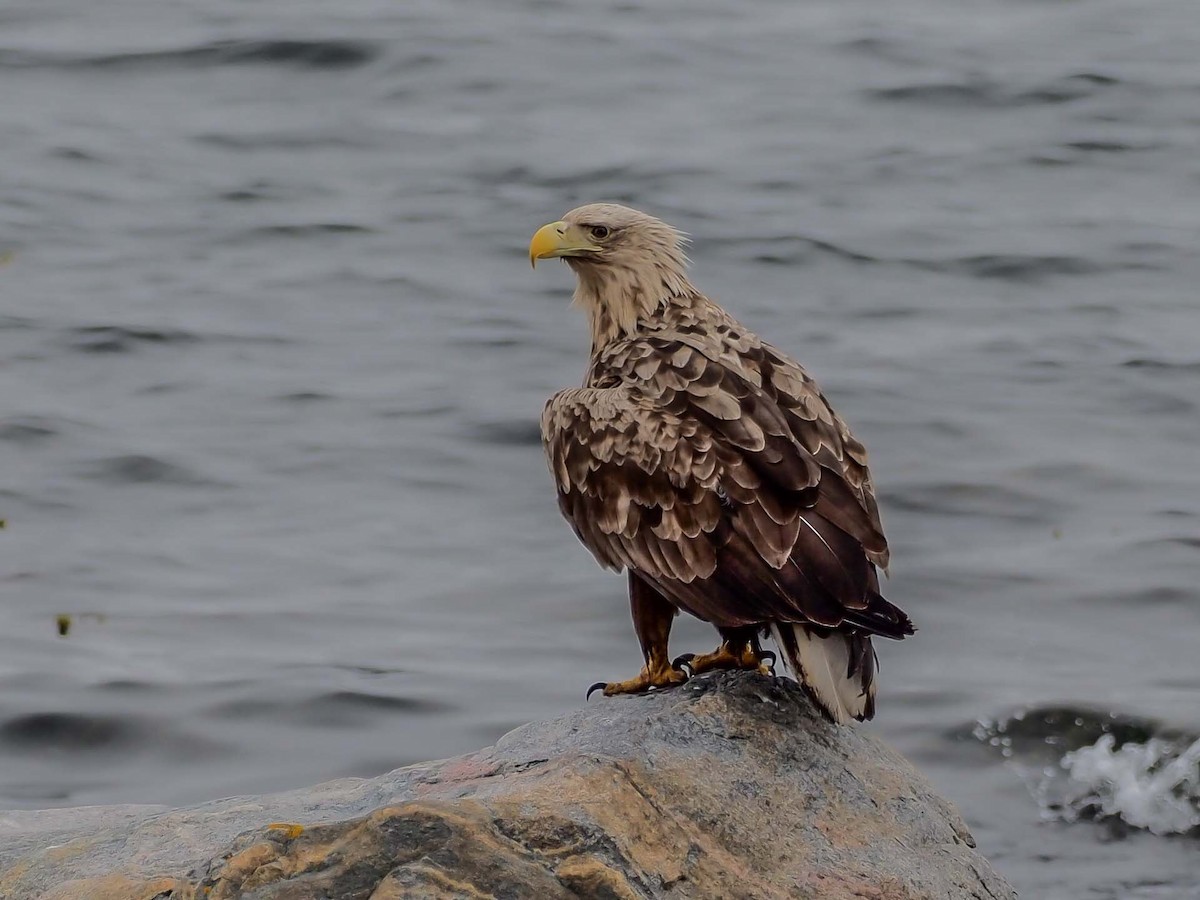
[(271, 362)]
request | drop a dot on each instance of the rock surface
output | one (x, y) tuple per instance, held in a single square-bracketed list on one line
[(727, 787)]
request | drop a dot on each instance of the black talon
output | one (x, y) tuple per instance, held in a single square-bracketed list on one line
[(680, 661), (764, 654), (598, 686)]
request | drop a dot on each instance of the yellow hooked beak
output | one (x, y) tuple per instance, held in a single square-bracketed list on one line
[(559, 239)]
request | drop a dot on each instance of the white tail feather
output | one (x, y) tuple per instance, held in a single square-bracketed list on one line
[(820, 664)]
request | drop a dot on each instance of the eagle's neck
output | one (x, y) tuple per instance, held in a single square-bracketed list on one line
[(617, 298)]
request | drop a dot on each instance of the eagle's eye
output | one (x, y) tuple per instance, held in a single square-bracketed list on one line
[(599, 232)]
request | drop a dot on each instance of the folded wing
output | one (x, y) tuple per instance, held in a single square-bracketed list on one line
[(725, 479)]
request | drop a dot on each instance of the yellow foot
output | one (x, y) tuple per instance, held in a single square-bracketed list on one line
[(729, 656), (662, 676)]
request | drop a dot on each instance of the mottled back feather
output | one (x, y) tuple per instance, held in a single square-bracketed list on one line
[(710, 463)]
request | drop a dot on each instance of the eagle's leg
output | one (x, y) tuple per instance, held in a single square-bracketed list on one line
[(652, 617), (739, 649)]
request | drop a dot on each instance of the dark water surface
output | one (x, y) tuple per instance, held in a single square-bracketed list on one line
[(271, 360)]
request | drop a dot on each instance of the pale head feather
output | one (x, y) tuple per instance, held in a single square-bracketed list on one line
[(640, 267)]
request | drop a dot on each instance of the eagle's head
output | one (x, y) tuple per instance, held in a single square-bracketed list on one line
[(629, 264)]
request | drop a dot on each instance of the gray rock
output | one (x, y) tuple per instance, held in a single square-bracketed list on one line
[(727, 787)]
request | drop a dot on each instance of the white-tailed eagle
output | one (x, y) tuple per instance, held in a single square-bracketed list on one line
[(709, 465)]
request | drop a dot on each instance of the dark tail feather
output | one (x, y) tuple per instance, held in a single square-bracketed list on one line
[(881, 618)]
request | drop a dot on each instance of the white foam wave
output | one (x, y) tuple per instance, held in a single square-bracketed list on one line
[(1153, 785)]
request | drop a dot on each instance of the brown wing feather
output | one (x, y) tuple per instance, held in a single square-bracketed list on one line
[(635, 482), (851, 497), (696, 469), (677, 353)]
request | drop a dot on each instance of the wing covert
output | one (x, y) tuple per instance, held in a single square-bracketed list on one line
[(686, 470), (637, 484)]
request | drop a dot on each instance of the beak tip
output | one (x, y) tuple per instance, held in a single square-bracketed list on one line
[(549, 242)]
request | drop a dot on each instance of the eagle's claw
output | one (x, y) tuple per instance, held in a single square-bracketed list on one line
[(747, 656), (684, 663), (598, 686), (649, 679)]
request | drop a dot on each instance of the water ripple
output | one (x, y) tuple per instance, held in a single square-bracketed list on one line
[(77, 733), (977, 500), (328, 710), (1162, 365), (994, 94), (1012, 266), (512, 433), (302, 54), (123, 338), (135, 468), (27, 429)]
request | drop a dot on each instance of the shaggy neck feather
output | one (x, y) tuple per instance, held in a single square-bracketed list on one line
[(618, 297)]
